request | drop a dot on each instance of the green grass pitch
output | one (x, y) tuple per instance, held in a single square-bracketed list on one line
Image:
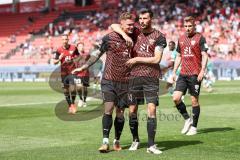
[(30, 130)]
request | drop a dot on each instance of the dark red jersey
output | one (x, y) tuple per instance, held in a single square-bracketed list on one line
[(190, 49), (145, 47), (84, 58), (117, 55), (67, 64)]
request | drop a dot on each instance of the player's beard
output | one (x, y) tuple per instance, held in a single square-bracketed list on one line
[(146, 27), (190, 33)]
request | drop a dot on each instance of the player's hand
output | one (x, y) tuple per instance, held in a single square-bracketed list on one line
[(69, 61), (61, 56), (128, 40), (200, 76), (174, 76), (131, 61), (76, 70)]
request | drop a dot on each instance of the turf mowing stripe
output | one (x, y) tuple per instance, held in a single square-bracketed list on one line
[(38, 103)]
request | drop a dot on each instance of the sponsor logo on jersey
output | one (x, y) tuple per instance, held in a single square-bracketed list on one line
[(151, 41), (193, 42), (71, 52)]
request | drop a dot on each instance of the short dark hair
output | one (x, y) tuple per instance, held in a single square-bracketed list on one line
[(125, 16), (146, 10), (172, 42), (65, 35), (189, 19), (80, 43)]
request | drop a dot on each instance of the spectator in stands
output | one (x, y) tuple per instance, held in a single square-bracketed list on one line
[(12, 38)]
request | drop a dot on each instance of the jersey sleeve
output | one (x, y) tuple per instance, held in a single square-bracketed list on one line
[(136, 33), (104, 45), (203, 44), (76, 52), (161, 41), (56, 55), (178, 48)]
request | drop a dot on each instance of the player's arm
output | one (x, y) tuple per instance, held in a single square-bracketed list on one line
[(57, 58), (78, 57), (117, 28), (95, 55), (177, 62), (149, 60), (204, 49), (172, 59), (93, 59), (158, 51)]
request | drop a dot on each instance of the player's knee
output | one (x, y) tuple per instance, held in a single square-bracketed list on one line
[(109, 106), (176, 99), (71, 88), (119, 112), (194, 101), (133, 109), (151, 110), (65, 90), (108, 112), (78, 88)]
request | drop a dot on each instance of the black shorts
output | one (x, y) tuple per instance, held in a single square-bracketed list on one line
[(116, 92), (82, 80), (140, 87), (191, 83), (69, 79)]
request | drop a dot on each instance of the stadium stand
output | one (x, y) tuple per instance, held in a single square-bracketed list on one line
[(219, 22)]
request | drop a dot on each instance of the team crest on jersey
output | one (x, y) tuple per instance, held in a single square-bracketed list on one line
[(193, 42), (125, 52), (118, 44), (205, 45), (71, 52), (151, 41)]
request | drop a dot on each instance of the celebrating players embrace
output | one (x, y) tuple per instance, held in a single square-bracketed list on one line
[(131, 75)]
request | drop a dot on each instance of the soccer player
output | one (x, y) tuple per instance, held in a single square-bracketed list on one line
[(114, 84), (66, 55), (82, 81), (168, 66), (192, 54), (145, 72), (209, 78), (172, 46)]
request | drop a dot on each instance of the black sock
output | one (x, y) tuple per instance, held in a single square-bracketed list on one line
[(67, 97), (73, 98), (196, 113), (118, 125), (151, 129), (107, 125), (133, 123), (80, 94), (182, 109), (85, 92)]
